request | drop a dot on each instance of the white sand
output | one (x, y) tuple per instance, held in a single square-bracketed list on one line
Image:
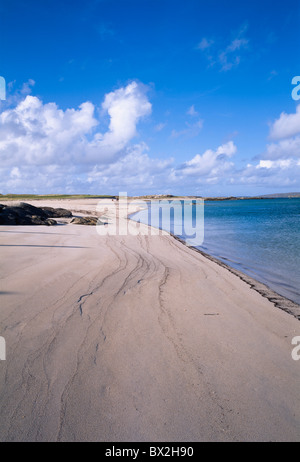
[(124, 338)]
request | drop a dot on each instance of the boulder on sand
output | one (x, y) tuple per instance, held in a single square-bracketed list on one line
[(90, 221), (24, 214), (57, 213)]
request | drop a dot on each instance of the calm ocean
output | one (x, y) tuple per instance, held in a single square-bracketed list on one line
[(258, 237)]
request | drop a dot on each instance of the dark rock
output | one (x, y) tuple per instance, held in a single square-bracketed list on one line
[(26, 209), (35, 220), (57, 213), (50, 222), (24, 214), (7, 218), (90, 221)]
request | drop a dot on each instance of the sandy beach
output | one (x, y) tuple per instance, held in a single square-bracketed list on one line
[(137, 338)]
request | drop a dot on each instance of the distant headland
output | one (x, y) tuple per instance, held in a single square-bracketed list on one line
[(21, 197)]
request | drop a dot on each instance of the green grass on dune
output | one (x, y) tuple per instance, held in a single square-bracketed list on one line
[(22, 197)]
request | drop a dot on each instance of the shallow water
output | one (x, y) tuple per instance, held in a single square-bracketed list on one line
[(259, 237)]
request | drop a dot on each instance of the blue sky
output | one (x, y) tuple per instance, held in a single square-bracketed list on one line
[(150, 96)]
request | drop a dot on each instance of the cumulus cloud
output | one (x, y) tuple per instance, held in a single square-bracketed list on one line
[(286, 163), (280, 163), (44, 149), (34, 133), (283, 149), (211, 163), (136, 171), (286, 126), (270, 173), (125, 107)]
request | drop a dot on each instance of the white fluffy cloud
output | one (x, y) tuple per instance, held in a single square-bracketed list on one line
[(286, 126), (274, 163), (44, 149), (211, 163), (34, 133), (284, 149), (273, 174), (125, 107), (280, 164), (135, 170), (210, 168), (285, 132)]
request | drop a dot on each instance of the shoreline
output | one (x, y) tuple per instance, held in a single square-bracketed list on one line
[(281, 302)]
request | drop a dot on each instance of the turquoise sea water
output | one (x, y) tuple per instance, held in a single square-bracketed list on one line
[(258, 237)]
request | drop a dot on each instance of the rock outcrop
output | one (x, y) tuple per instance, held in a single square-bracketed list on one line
[(24, 214), (90, 221), (57, 213)]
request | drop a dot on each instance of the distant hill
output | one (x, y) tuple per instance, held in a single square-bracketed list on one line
[(21, 197), (265, 196), (274, 196)]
